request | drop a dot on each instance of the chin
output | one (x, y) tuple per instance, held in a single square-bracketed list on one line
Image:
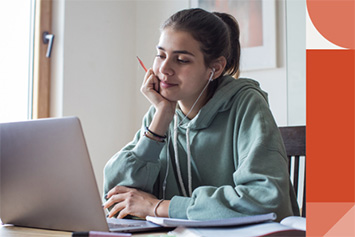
[(169, 97)]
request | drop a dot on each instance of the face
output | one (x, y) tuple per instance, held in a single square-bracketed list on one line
[(179, 65)]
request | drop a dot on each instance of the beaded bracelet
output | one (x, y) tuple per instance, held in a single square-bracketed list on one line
[(150, 136), (154, 135)]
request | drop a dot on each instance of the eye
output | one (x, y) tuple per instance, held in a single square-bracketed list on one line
[(160, 56), (182, 60)]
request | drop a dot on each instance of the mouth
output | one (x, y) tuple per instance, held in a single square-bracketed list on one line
[(165, 85)]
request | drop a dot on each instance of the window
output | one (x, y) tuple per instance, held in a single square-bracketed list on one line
[(16, 47), (42, 73), (24, 67)]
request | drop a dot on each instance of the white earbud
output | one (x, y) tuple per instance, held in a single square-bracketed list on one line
[(212, 74)]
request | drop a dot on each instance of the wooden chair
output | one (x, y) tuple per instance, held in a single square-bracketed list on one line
[(295, 143)]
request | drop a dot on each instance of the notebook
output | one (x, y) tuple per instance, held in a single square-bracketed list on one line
[(47, 180)]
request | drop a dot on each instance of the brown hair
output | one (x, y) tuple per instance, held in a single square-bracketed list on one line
[(218, 34)]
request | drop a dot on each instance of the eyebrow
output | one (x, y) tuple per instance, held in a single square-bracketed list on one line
[(177, 51)]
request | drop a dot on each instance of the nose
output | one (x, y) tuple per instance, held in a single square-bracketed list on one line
[(166, 68)]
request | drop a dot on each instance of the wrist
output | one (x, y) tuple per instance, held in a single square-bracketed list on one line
[(161, 209), (165, 112), (160, 123), (156, 207), (154, 136)]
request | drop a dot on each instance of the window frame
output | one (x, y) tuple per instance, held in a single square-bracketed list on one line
[(42, 64)]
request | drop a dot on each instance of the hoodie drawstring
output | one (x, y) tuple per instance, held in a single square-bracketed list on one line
[(189, 160), (187, 145), (181, 182)]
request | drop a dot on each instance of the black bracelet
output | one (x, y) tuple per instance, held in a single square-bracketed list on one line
[(154, 134)]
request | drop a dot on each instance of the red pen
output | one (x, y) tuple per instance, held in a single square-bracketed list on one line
[(140, 61)]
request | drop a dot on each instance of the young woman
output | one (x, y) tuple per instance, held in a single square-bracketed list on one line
[(209, 147)]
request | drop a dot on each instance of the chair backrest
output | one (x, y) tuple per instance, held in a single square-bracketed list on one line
[(295, 143)]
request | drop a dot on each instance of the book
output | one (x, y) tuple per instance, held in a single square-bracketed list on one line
[(236, 221), (290, 226), (100, 234)]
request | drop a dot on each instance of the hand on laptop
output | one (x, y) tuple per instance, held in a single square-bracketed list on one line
[(131, 201)]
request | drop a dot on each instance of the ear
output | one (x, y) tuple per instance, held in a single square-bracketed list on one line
[(219, 65)]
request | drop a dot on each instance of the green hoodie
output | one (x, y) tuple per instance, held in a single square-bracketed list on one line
[(237, 164)]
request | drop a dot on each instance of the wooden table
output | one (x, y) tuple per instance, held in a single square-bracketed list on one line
[(10, 231), (16, 231)]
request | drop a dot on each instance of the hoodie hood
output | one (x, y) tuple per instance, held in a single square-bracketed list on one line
[(222, 100)]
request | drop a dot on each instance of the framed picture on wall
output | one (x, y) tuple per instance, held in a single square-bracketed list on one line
[(257, 23)]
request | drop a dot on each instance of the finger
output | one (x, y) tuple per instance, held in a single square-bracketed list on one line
[(117, 208), (150, 82), (123, 213), (157, 84), (117, 190), (148, 74), (116, 198)]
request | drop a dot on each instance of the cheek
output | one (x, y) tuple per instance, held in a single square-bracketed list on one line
[(156, 67), (196, 79)]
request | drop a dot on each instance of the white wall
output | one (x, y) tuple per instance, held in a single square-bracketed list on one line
[(286, 84), (296, 61), (95, 74), (274, 80), (150, 15)]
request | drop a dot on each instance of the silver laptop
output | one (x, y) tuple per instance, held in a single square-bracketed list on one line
[(47, 180)]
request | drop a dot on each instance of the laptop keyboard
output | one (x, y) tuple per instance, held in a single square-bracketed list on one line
[(114, 223), (121, 225)]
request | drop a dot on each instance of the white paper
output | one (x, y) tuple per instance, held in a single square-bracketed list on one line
[(171, 222), (242, 231)]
